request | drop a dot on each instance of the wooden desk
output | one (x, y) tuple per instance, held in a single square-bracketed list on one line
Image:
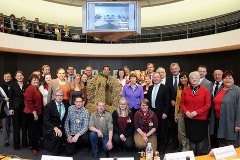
[(206, 157)]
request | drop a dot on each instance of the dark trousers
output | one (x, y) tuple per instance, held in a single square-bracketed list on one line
[(173, 128), (19, 122), (54, 143), (162, 133), (134, 110), (224, 142), (84, 140), (118, 143), (34, 130)]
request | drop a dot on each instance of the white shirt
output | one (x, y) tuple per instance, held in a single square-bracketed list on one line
[(163, 81), (155, 89), (201, 80)]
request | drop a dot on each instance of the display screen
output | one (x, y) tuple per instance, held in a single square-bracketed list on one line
[(114, 16)]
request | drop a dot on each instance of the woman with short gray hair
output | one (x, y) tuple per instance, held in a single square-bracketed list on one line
[(195, 103)]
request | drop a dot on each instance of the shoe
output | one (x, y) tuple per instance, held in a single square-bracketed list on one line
[(17, 148), (95, 155), (107, 154), (162, 151), (6, 144), (34, 152), (119, 149), (86, 150)]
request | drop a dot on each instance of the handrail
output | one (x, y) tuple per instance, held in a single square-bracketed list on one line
[(213, 25)]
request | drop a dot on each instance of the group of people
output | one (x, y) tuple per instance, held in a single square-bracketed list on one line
[(184, 111), (40, 30)]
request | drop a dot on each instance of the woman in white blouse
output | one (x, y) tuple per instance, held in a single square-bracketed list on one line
[(44, 87)]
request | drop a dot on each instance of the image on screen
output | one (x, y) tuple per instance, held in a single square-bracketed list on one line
[(111, 16)]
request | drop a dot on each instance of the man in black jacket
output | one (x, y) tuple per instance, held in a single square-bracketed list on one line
[(54, 116)]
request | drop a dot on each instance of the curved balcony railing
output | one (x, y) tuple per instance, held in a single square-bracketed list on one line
[(214, 25)]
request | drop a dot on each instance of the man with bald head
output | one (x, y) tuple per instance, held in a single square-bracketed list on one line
[(162, 73), (217, 75)]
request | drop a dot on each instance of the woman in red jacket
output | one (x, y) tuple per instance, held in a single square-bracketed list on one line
[(33, 110), (195, 103)]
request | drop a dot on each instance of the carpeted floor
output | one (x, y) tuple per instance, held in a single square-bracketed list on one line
[(79, 155)]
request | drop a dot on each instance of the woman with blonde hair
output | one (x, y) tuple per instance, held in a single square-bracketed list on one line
[(77, 89), (143, 74), (58, 83), (147, 83), (123, 126)]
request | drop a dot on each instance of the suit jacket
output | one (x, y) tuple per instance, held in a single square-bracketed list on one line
[(162, 102), (33, 100), (51, 118), (20, 25), (16, 96), (200, 102), (207, 84), (8, 25), (40, 26), (229, 115), (53, 85), (169, 83)]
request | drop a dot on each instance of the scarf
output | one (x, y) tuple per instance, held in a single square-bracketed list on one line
[(195, 89), (145, 118)]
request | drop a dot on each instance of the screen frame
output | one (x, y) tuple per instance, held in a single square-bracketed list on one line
[(137, 15)]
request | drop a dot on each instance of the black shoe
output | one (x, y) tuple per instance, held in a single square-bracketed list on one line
[(17, 148), (107, 154), (95, 155), (162, 151), (6, 144), (119, 149), (86, 150)]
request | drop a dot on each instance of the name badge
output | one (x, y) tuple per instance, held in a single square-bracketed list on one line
[(101, 119), (129, 120), (150, 124), (78, 120)]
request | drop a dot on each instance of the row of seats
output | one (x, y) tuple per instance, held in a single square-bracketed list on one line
[(205, 27)]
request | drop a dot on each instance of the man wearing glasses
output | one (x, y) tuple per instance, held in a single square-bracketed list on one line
[(76, 127), (55, 113)]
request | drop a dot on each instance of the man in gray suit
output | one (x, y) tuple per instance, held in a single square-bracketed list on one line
[(202, 70)]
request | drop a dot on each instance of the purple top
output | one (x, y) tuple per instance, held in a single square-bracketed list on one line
[(134, 96)]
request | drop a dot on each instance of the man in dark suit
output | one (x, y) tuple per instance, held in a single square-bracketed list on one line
[(11, 25), (38, 29), (159, 98), (172, 81), (217, 75), (54, 116)]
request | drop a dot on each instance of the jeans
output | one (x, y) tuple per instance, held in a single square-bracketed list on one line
[(95, 139)]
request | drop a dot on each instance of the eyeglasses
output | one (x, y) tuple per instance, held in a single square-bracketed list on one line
[(58, 95)]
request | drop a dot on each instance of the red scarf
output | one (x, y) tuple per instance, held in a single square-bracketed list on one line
[(145, 118)]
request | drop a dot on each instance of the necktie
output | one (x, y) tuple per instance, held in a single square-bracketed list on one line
[(216, 88), (175, 83), (154, 95), (70, 79), (60, 110)]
